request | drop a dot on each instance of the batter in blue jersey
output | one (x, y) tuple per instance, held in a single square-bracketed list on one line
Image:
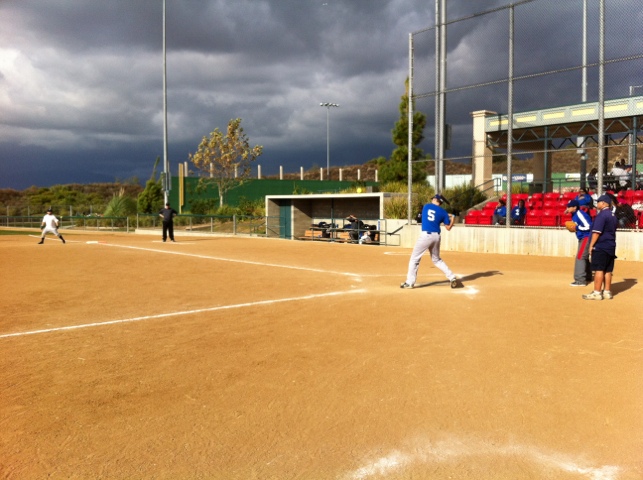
[(433, 215)]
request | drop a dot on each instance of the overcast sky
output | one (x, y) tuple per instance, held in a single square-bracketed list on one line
[(81, 80)]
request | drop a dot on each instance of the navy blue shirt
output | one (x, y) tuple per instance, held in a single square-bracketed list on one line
[(432, 217), (518, 212), (605, 224)]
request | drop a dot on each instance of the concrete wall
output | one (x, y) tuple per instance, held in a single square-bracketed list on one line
[(548, 242)]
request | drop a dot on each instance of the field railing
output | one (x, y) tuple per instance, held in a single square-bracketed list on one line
[(208, 224)]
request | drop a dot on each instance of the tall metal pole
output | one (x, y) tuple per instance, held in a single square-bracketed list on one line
[(327, 143), (581, 140), (443, 86), (438, 65), (328, 105), (584, 85), (601, 96), (510, 114), (409, 179), (166, 164)]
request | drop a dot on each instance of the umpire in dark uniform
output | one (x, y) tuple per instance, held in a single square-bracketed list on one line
[(168, 214)]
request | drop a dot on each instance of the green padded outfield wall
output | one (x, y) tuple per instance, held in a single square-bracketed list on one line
[(256, 189)]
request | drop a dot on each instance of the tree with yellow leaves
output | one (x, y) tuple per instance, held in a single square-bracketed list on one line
[(225, 160)]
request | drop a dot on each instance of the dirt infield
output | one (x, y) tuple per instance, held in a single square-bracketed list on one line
[(244, 358)]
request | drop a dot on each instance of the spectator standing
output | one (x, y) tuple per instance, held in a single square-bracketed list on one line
[(433, 215), (582, 267), (602, 250), (168, 214), (500, 213), (518, 213)]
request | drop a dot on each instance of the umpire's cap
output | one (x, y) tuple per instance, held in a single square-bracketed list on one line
[(605, 198)]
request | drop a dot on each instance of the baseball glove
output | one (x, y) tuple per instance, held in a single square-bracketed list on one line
[(570, 226)]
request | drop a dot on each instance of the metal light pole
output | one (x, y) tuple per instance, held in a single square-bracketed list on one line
[(328, 105), (166, 164)]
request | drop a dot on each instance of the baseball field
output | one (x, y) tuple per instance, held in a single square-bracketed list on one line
[(123, 357)]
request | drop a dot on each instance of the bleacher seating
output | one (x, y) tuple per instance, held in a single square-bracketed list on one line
[(548, 209)]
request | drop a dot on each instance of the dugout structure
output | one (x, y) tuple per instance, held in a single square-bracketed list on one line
[(297, 213)]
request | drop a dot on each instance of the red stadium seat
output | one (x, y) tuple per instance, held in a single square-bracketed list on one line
[(569, 196), (534, 204), (551, 196), (550, 218), (472, 217), (491, 206), (485, 218), (537, 196), (550, 204), (626, 196), (533, 218)]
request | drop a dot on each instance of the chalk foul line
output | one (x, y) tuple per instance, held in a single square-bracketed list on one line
[(223, 259), (185, 312)]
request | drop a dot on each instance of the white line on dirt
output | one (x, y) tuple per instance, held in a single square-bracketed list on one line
[(449, 451), (222, 259), (186, 312)]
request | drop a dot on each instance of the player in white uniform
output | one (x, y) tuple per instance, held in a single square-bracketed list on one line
[(50, 224), (432, 216)]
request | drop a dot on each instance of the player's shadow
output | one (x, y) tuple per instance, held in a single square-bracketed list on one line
[(626, 284), (466, 278), (475, 276)]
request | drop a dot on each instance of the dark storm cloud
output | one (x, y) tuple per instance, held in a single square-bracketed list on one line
[(81, 80)]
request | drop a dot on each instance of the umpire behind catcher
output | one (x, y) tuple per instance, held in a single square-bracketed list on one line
[(168, 214)]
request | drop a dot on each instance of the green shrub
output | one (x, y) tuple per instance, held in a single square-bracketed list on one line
[(462, 198), (396, 207), (252, 208), (203, 206), (226, 211), (121, 205)]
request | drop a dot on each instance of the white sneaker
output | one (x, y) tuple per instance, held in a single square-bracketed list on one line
[(406, 285), (607, 295), (593, 296)]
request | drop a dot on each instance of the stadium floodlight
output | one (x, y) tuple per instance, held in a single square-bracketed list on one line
[(328, 105)]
